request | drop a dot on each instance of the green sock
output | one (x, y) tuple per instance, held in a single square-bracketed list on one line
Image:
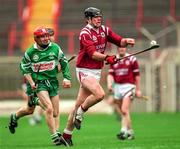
[(58, 132)]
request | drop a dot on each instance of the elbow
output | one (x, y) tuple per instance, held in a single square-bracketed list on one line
[(94, 57)]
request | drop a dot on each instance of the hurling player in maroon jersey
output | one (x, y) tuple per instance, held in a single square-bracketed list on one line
[(124, 81), (93, 39)]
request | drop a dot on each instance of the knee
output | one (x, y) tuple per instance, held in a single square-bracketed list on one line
[(49, 110), (100, 96), (124, 111), (30, 111), (55, 113)]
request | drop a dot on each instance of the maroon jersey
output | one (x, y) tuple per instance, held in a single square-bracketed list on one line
[(125, 70), (92, 40)]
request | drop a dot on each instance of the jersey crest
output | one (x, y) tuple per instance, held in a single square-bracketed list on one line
[(35, 57), (127, 62), (102, 34)]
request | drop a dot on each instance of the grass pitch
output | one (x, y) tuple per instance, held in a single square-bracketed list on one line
[(152, 131)]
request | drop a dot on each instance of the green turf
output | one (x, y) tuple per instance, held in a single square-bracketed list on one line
[(152, 131)]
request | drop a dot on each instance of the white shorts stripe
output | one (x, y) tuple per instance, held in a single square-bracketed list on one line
[(82, 73)]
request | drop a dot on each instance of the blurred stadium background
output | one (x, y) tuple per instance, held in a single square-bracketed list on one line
[(143, 20)]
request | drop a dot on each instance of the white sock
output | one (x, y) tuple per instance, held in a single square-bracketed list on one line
[(38, 117), (66, 131), (124, 129), (80, 111)]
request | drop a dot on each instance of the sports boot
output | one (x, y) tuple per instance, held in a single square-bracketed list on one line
[(77, 121), (12, 124), (68, 139), (122, 136)]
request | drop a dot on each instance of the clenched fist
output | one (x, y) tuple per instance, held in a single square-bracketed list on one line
[(110, 59), (66, 83), (127, 41)]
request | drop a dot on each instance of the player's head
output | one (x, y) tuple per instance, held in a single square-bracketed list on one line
[(51, 33), (93, 16), (41, 37), (121, 51)]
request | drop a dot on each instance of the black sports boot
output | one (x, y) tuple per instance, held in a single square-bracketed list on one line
[(68, 139), (13, 123), (78, 118), (122, 136), (58, 139)]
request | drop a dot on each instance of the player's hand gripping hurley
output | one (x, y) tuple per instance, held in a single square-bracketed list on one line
[(143, 97)]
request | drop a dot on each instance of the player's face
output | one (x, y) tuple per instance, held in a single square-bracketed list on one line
[(121, 51), (96, 21), (43, 40)]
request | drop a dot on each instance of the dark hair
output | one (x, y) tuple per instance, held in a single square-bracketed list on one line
[(50, 31)]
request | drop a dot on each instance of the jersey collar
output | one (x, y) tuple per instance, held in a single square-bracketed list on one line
[(91, 27), (36, 47), (124, 55)]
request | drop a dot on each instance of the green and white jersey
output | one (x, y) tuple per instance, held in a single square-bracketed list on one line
[(46, 61)]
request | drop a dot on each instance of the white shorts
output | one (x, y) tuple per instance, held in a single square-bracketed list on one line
[(123, 90), (83, 73)]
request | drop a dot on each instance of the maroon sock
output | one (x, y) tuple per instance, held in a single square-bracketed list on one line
[(67, 136)]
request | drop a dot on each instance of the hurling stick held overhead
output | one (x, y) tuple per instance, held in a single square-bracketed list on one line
[(145, 50)]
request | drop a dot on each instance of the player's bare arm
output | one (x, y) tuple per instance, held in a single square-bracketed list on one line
[(101, 57), (137, 83), (127, 41), (30, 80), (110, 81), (98, 56)]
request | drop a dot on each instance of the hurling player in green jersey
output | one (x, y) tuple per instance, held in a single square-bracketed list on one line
[(40, 68), (36, 118)]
